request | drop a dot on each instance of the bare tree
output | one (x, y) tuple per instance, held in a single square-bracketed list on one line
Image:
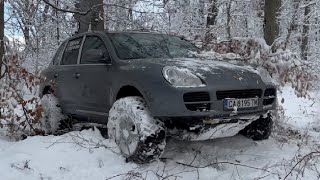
[(1, 32), (293, 22), (94, 19), (212, 13), (26, 12), (271, 26), (229, 19), (305, 31), (211, 19)]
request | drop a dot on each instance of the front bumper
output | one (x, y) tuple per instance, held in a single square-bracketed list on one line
[(195, 129), (171, 104)]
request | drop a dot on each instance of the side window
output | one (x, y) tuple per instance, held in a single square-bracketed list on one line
[(94, 51), (57, 57), (71, 52)]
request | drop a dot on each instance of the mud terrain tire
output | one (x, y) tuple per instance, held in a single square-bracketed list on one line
[(260, 129), (52, 114), (140, 137)]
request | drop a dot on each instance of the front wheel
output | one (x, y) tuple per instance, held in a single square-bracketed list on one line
[(140, 137), (259, 129)]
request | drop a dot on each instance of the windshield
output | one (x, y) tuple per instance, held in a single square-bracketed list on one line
[(144, 45)]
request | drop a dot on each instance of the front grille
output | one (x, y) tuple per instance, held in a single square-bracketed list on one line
[(197, 101), (239, 94), (196, 97)]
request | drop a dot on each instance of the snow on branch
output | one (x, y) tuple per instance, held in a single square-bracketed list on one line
[(90, 9), (284, 66), (302, 163), (20, 114)]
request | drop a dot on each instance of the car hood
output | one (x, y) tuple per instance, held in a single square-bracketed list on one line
[(217, 72)]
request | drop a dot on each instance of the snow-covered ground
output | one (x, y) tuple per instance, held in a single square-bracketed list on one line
[(87, 155)]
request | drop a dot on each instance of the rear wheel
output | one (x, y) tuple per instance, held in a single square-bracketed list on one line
[(260, 129), (52, 113), (140, 137)]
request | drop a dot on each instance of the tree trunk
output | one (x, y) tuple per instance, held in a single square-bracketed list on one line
[(57, 21), (94, 20), (293, 24), (212, 13), (1, 33), (98, 16), (211, 21), (229, 20), (271, 26), (27, 24), (201, 13), (305, 33)]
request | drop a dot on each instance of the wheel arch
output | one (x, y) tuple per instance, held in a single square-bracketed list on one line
[(128, 90), (46, 89)]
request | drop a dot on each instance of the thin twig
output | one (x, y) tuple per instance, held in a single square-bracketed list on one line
[(299, 162), (230, 163), (27, 118)]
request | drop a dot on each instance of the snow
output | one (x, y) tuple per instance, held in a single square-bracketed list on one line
[(87, 155), (209, 65), (301, 112), (52, 113), (133, 105)]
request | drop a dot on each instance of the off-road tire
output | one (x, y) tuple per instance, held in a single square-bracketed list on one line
[(148, 133), (259, 129), (52, 116)]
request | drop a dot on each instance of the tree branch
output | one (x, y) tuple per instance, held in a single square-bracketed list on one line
[(230, 163), (68, 10), (5, 68), (310, 155), (91, 9)]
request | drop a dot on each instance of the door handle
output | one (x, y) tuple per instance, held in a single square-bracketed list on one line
[(55, 75), (77, 75)]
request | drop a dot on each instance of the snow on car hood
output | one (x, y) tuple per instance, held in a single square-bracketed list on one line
[(215, 67), (216, 71)]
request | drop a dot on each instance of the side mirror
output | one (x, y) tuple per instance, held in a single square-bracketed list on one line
[(97, 56)]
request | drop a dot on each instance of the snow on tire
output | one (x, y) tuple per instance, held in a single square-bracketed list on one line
[(52, 113), (140, 137)]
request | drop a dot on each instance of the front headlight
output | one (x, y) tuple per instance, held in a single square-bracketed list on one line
[(181, 77)]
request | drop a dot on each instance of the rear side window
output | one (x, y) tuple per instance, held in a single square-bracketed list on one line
[(94, 51), (71, 52), (57, 57)]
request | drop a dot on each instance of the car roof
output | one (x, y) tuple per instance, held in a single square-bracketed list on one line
[(136, 32), (120, 32)]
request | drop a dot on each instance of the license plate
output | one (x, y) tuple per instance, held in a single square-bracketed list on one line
[(240, 103)]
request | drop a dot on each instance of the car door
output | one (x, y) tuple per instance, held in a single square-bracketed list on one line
[(94, 69), (67, 77), (51, 72)]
